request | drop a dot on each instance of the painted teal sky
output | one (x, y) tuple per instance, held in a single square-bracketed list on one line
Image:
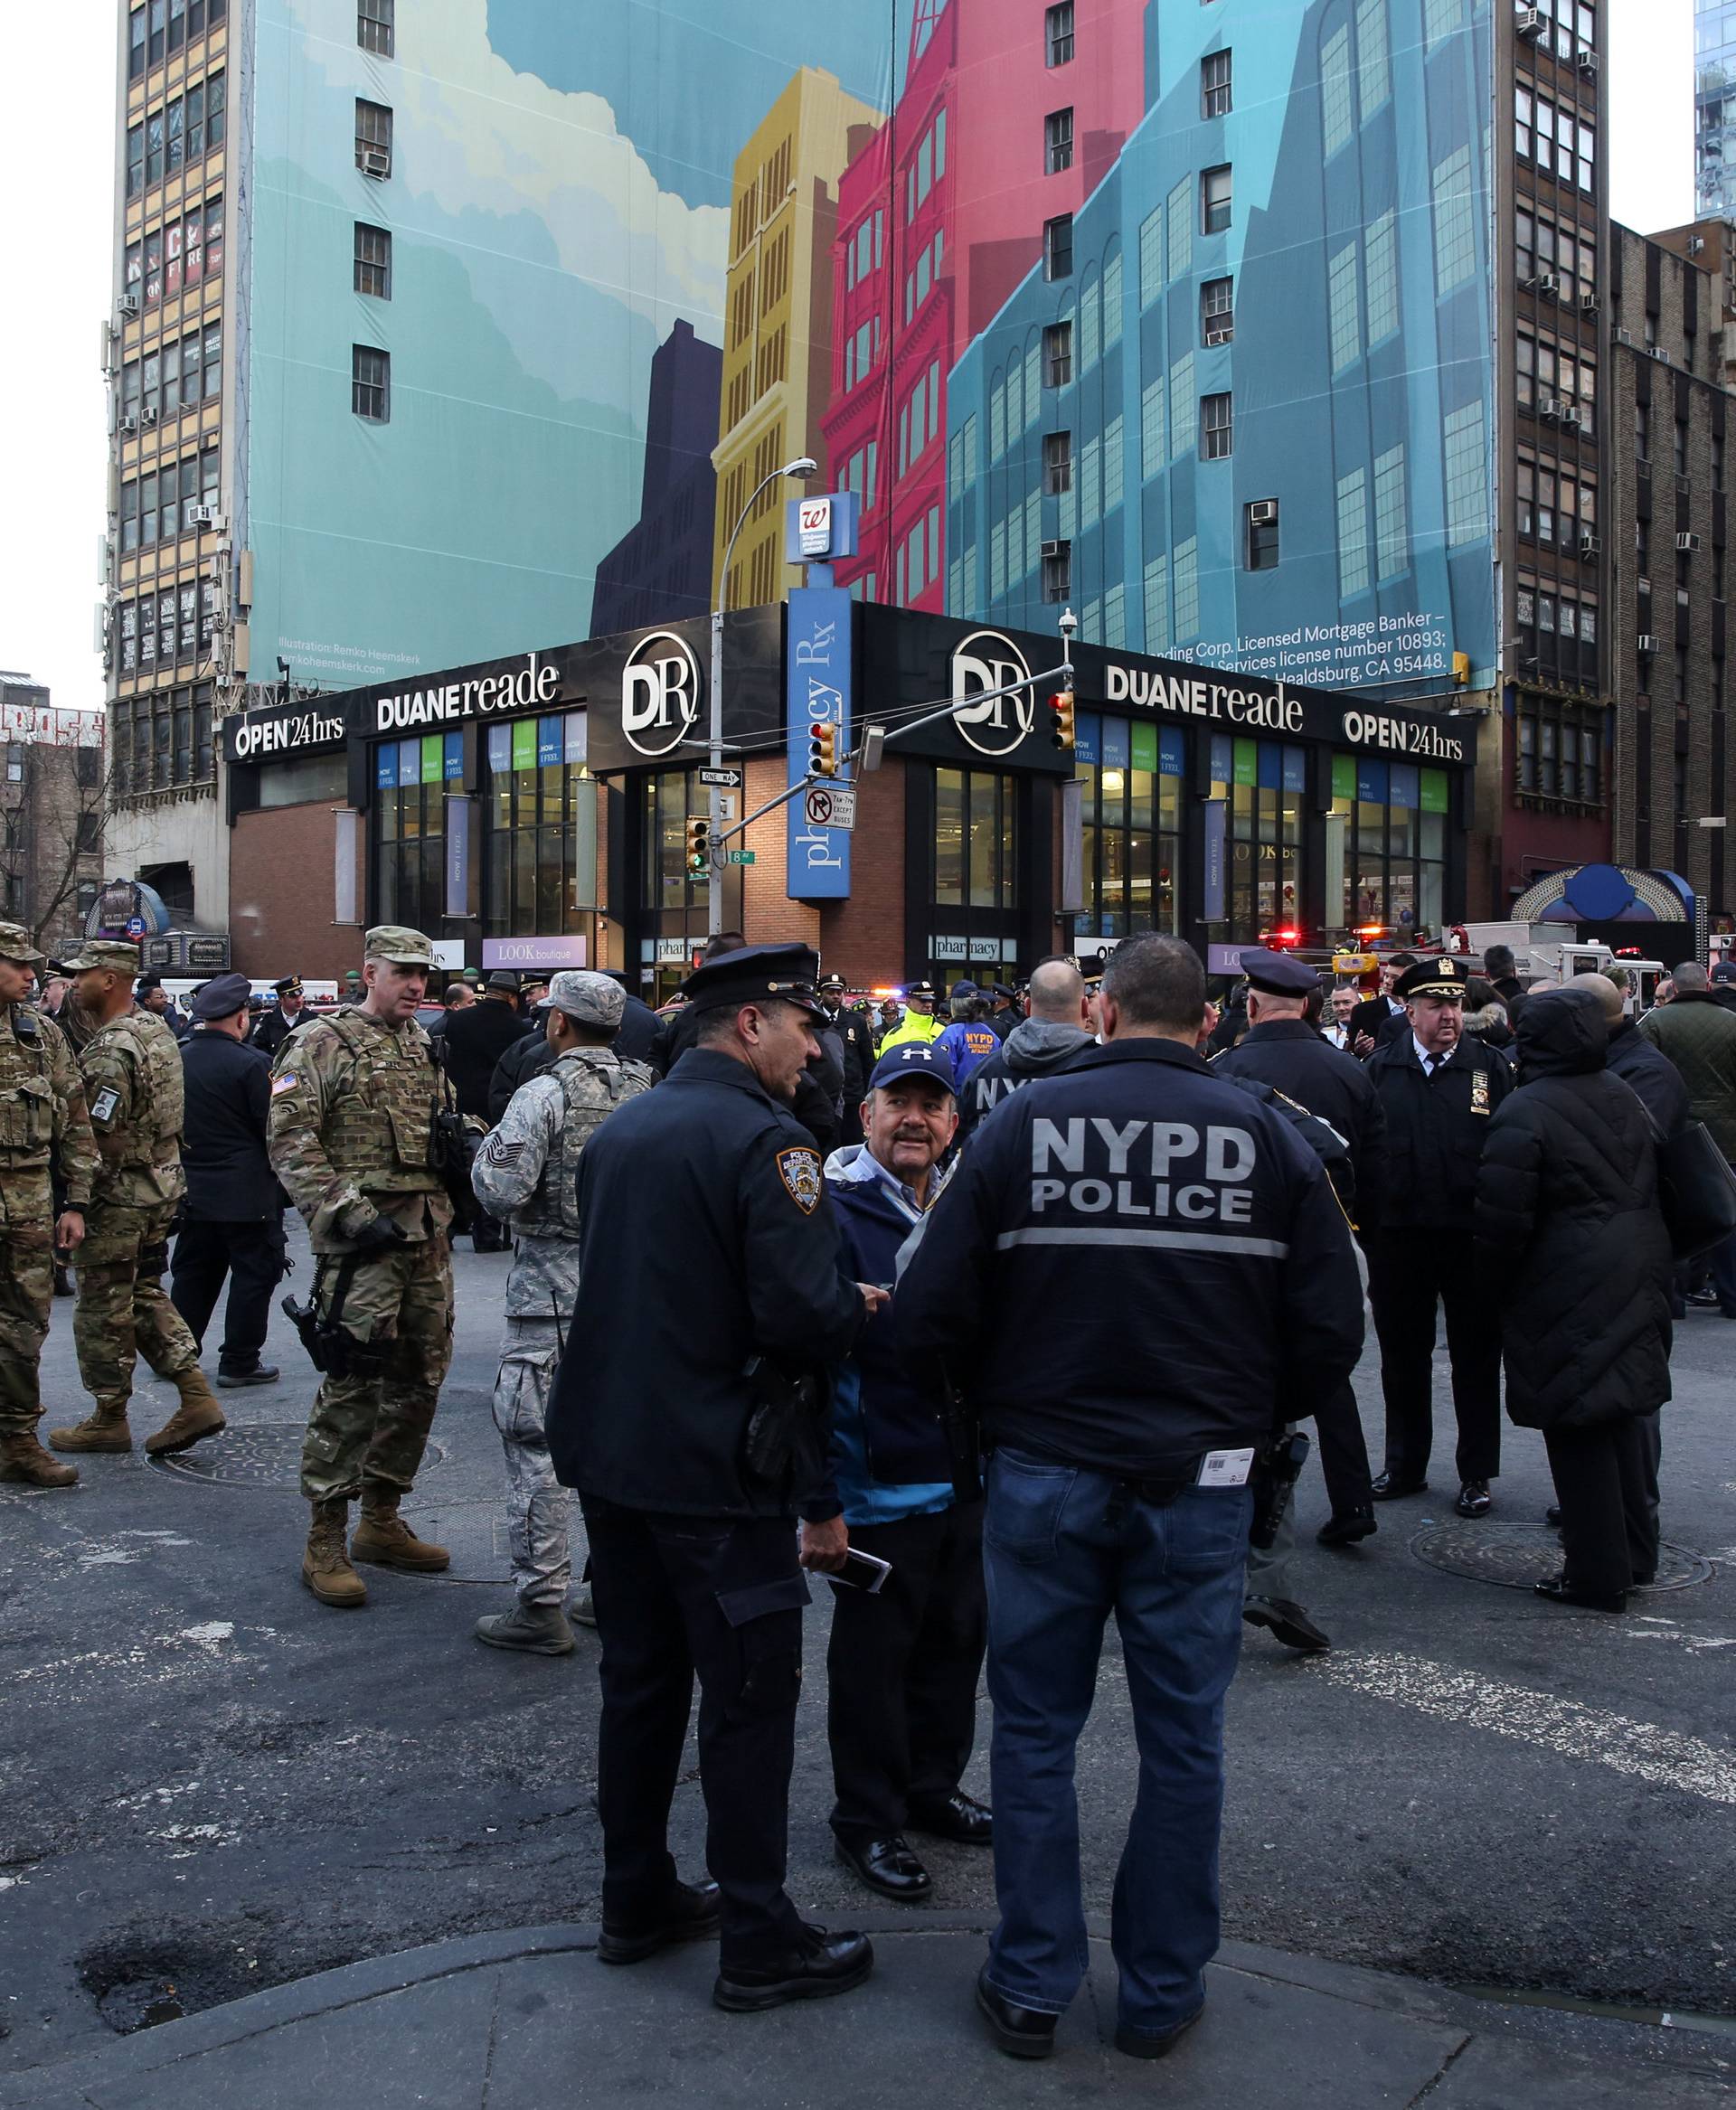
[(683, 75)]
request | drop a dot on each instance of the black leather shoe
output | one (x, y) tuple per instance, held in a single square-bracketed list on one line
[(1140, 2044), (262, 1373), (1704, 1300), (693, 1916), (1560, 1591), (1474, 1499), (1288, 1622), (961, 1817), (823, 1965), (1387, 1488), (1345, 1527), (1552, 1515), (1020, 2032), (888, 1866)]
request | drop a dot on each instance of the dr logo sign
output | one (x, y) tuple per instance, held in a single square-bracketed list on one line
[(983, 663)]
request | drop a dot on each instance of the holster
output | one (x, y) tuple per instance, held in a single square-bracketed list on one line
[(333, 1351), (451, 1148), (1278, 1467), (783, 1451)]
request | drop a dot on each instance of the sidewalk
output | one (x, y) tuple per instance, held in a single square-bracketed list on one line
[(530, 2020)]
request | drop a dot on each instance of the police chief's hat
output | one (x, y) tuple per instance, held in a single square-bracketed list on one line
[(15, 946), (924, 992), (1277, 974), (1001, 989), (757, 973), (1442, 976), (289, 986), (912, 1059), (403, 947), (833, 982), (222, 997), (107, 952)]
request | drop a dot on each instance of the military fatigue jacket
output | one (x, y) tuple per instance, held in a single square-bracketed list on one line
[(133, 1085), (43, 1120), (527, 1172), (351, 1128)]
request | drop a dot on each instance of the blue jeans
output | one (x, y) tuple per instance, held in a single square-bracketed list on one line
[(1058, 1561)]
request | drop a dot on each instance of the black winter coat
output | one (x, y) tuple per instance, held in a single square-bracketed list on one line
[(1571, 1246), (228, 1086), (1290, 1056), (473, 1042), (1651, 1074), (527, 1056)]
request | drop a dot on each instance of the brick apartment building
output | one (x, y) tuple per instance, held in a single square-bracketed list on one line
[(51, 805)]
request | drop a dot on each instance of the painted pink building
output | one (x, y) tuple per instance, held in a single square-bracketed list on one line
[(1012, 114)]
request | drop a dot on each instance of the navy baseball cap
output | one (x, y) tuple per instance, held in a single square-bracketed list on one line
[(1725, 971), (912, 1059)]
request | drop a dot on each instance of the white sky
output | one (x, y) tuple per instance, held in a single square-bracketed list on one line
[(57, 159)]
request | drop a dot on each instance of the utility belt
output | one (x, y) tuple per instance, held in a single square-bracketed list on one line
[(333, 1350)]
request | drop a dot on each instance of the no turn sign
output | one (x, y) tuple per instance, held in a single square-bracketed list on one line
[(831, 806)]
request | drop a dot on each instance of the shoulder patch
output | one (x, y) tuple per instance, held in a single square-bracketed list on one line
[(102, 1107), (799, 1170), (287, 1082)]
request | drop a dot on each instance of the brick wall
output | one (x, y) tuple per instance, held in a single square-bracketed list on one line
[(862, 938), (281, 895)]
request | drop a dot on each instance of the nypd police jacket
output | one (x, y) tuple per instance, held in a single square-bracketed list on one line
[(705, 1239), (1136, 1262)]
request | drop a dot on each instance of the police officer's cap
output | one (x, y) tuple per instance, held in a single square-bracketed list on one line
[(1277, 974), (289, 986), (833, 982), (1001, 989), (912, 1059), (1442, 976), (222, 997), (922, 991), (757, 973)]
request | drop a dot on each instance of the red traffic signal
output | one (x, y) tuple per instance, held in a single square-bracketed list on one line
[(1060, 719), (823, 751)]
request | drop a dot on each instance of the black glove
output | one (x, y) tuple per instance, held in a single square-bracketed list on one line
[(379, 1236)]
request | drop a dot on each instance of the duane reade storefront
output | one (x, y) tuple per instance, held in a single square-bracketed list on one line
[(539, 811)]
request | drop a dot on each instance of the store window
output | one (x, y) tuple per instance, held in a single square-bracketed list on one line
[(1261, 784), (1386, 846), (410, 779), (976, 832), (542, 824), (672, 798), (1132, 825)]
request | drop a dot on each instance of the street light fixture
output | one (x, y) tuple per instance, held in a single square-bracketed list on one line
[(799, 471)]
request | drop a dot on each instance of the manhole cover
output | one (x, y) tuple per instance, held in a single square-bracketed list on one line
[(1516, 1555), (474, 1534), (255, 1454)]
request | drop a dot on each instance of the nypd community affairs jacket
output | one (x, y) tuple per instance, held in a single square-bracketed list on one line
[(1136, 1262)]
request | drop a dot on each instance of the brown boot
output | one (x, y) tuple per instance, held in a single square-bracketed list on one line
[(197, 1416), (22, 1457), (105, 1430), (325, 1566), (383, 1538)]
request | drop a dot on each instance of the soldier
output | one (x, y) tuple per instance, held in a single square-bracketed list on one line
[(351, 1134), (132, 1081), (527, 1174), (44, 1137)]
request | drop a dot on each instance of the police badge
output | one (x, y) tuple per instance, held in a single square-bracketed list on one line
[(1479, 1091), (800, 1171)]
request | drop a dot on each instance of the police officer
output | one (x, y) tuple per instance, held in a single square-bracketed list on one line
[(132, 1087), (709, 1287), (1437, 1091), (918, 1022), (276, 1027), (351, 1136), (969, 1040), (857, 1037), (526, 1174), (44, 1138), (1133, 1182)]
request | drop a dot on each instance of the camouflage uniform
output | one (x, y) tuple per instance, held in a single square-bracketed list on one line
[(44, 1135), (349, 1134), (132, 1081), (527, 1172)]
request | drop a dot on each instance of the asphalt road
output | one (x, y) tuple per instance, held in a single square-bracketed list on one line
[(208, 1780)]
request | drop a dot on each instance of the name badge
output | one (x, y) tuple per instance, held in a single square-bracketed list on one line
[(1225, 1469), (1479, 1091)]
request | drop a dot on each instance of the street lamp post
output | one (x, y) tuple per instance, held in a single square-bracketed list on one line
[(802, 468)]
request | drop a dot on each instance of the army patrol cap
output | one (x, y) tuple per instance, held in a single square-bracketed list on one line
[(1277, 974), (403, 947), (1444, 976), (105, 952), (594, 1000), (15, 946), (222, 997), (755, 974)]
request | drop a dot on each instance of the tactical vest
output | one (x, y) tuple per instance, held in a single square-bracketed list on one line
[(379, 1129), (26, 1093), (151, 1140), (593, 1083)]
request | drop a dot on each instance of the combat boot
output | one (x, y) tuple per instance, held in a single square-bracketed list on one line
[(538, 1629), (384, 1539), (197, 1416), (325, 1566), (105, 1430), (22, 1457)]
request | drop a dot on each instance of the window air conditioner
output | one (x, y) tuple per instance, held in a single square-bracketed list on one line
[(127, 304), (130, 423), (1219, 336), (1552, 407), (1647, 647), (1586, 59), (1053, 548), (148, 416), (203, 515), (1547, 282), (1529, 22), (1624, 336), (1588, 304), (1688, 545), (376, 161), (1590, 546), (1262, 513)]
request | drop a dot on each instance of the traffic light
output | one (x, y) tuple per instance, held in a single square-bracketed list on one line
[(699, 847), (1060, 719), (823, 751)]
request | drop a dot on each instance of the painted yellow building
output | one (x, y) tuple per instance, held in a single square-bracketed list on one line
[(777, 370)]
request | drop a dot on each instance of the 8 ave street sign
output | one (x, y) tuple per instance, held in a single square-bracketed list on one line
[(831, 806)]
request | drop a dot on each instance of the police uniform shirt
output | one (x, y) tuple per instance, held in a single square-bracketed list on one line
[(1436, 1120), (1136, 1262)]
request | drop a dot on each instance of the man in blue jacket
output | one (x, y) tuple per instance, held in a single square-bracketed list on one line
[(1135, 1184), (903, 1661)]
